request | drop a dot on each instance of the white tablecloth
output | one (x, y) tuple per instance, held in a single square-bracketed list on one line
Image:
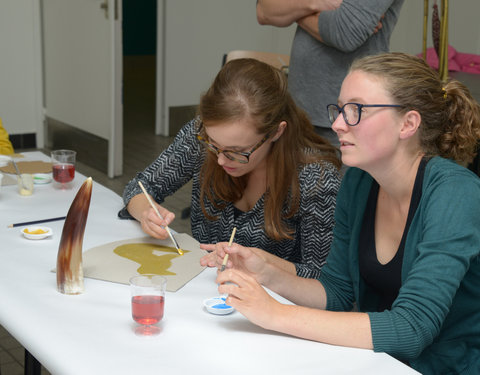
[(93, 333)]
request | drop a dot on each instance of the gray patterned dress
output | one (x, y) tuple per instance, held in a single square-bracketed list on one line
[(312, 224)]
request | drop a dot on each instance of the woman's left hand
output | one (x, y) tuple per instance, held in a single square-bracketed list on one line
[(247, 296), (210, 259)]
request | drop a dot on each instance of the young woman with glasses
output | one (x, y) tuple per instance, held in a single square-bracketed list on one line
[(256, 164), (406, 247)]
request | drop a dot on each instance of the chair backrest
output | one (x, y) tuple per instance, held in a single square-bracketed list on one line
[(277, 60)]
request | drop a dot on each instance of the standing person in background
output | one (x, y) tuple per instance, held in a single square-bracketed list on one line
[(6, 147), (256, 164), (329, 36), (406, 246)]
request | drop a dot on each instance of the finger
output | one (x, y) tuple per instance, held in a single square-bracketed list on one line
[(208, 247), (208, 260), (220, 249), (232, 276), (235, 249), (243, 290), (153, 217), (157, 233), (169, 218), (154, 229)]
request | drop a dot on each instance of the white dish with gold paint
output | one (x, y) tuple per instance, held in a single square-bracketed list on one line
[(36, 232)]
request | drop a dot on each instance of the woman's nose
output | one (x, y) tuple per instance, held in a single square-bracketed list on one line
[(221, 158), (339, 124)]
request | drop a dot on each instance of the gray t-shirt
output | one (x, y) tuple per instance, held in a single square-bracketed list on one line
[(317, 69)]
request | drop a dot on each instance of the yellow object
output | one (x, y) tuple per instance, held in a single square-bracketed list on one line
[(225, 258), (153, 259), (443, 45), (425, 25), (443, 58), (6, 147), (36, 231), (25, 184)]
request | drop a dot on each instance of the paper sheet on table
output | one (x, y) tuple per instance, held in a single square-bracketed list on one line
[(113, 261), (31, 167)]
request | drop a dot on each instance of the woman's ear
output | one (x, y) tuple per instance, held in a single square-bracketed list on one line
[(280, 130), (411, 123)]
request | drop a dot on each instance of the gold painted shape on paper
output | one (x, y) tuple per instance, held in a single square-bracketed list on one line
[(150, 257)]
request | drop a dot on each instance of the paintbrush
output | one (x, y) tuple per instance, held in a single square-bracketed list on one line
[(17, 171), (36, 222), (225, 258), (180, 251)]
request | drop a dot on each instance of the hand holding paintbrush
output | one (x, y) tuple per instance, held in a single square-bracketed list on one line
[(180, 251)]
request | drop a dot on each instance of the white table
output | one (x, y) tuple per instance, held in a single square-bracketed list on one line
[(93, 333)]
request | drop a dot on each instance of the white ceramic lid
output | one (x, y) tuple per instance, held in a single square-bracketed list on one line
[(217, 306)]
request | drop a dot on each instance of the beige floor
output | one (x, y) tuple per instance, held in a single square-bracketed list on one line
[(141, 147)]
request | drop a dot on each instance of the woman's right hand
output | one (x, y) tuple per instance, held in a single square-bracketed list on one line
[(153, 225), (140, 209)]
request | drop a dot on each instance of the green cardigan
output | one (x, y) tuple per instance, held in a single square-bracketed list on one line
[(434, 323)]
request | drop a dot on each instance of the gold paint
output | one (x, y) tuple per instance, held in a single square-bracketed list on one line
[(146, 254), (36, 231)]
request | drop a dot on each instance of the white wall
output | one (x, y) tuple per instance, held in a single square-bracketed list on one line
[(197, 33), (20, 69)]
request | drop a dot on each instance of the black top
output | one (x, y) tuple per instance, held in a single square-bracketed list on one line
[(385, 279)]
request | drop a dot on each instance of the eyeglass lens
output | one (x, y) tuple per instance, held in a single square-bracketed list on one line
[(350, 111), (228, 154)]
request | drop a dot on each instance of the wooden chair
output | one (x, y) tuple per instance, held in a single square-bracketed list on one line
[(278, 60)]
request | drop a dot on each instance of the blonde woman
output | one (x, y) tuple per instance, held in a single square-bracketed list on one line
[(406, 245)]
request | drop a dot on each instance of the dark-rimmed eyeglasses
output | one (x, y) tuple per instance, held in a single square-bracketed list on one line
[(352, 112), (241, 157)]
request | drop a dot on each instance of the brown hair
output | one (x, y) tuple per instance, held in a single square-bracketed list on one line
[(247, 89), (450, 124)]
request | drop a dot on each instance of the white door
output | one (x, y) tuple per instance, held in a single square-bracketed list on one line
[(83, 69)]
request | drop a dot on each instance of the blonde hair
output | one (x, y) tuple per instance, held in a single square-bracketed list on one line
[(255, 92), (450, 124)]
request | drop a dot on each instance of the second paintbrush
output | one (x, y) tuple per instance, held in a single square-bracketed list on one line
[(225, 258)]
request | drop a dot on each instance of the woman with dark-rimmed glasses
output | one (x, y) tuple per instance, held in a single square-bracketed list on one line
[(256, 164), (406, 247)]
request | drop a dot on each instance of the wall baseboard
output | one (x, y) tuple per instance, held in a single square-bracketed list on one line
[(91, 149), (23, 141)]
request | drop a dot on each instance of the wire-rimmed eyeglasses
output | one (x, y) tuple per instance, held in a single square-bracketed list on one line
[(241, 157), (352, 112)]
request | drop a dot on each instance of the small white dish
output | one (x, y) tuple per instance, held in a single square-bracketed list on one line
[(36, 232), (42, 178), (4, 160), (217, 306)]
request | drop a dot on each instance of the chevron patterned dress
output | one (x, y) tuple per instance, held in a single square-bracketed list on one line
[(312, 224)]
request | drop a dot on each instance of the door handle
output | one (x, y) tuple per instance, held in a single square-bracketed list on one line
[(104, 6)]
